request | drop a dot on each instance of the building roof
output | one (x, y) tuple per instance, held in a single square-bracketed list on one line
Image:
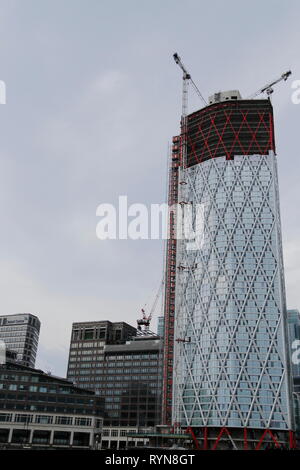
[(145, 344)]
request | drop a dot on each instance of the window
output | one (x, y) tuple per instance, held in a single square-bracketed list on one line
[(65, 420), (88, 334), (83, 421), (43, 419), (23, 418), (98, 423), (5, 417)]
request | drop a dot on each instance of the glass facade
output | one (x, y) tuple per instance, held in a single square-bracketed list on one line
[(294, 346), (20, 333), (231, 359), (160, 326), (126, 373), (294, 340), (38, 410), (23, 388)]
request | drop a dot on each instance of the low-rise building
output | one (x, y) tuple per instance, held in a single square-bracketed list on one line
[(38, 410)]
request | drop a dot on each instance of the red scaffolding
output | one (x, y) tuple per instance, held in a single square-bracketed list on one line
[(170, 277)]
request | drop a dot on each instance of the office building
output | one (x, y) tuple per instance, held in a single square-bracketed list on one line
[(296, 401), (38, 410), (86, 354), (160, 327), (294, 346), (20, 333), (231, 378), (294, 340), (126, 373)]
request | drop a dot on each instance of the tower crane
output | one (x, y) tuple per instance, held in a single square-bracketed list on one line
[(146, 319), (186, 79), (268, 89), (185, 85)]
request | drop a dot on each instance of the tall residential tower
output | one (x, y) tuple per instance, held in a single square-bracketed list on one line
[(231, 377)]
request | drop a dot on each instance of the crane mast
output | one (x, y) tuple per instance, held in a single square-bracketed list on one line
[(186, 80)]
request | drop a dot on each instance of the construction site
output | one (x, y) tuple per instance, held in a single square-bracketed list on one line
[(226, 367)]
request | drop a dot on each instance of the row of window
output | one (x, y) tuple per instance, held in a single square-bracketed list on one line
[(44, 419), (120, 378), (93, 344), (113, 364), (47, 388), (115, 432), (47, 408)]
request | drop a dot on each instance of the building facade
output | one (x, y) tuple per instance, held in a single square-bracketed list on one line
[(294, 340), (160, 327), (38, 410), (126, 373), (86, 356), (294, 345), (231, 360), (296, 400), (20, 333)]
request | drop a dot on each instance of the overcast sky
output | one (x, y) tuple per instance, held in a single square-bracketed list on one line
[(93, 98)]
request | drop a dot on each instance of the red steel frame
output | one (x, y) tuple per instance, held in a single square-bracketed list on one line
[(217, 121), (291, 441)]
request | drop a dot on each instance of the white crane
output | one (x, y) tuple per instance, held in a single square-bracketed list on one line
[(185, 84), (146, 319), (268, 89), (186, 79)]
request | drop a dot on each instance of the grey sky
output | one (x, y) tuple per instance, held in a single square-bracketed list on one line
[(93, 97)]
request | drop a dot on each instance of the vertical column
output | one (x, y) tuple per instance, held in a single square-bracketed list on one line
[(10, 435), (92, 440), (71, 438)]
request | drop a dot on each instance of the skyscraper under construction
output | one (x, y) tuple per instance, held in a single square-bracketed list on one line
[(226, 364)]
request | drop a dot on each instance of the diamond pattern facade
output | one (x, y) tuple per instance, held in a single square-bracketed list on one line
[(230, 358)]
